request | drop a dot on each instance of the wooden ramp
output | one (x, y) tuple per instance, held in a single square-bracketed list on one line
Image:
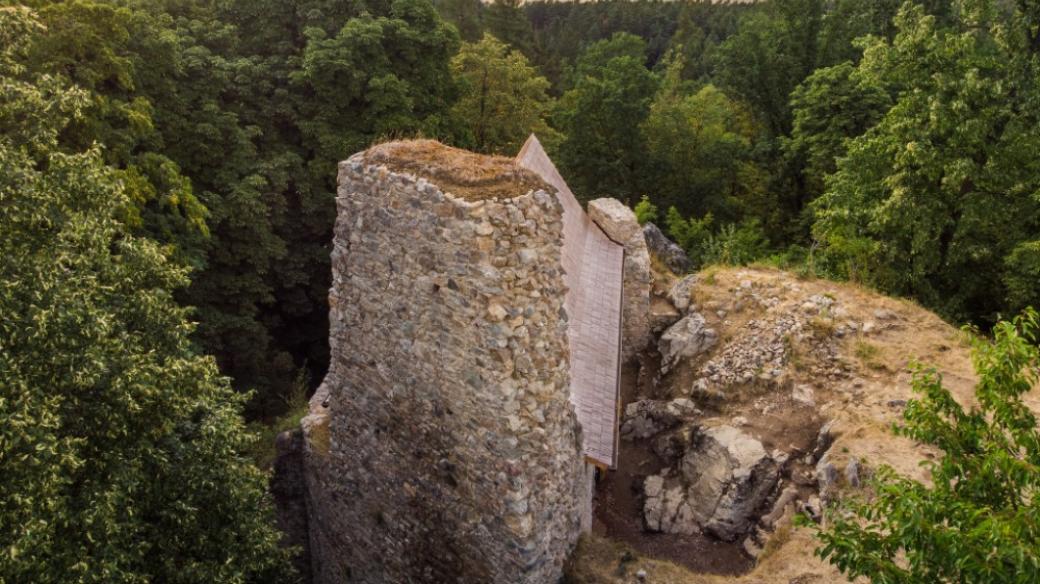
[(593, 265)]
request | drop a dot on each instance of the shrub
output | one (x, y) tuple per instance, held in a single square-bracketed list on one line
[(977, 520)]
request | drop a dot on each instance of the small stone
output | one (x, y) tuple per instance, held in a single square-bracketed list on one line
[(804, 395), (882, 314), (496, 312), (527, 256), (813, 508)]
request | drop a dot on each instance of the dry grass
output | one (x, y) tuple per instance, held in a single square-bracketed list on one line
[(863, 406), (870, 355), (467, 175)]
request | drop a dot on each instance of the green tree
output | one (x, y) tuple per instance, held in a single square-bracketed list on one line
[(502, 98), (702, 149), (831, 106), (976, 520), (466, 15), (931, 201), (646, 211), (122, 449), (110, 51), (604, 149), (775, 48), (160, 77), (506, 21)]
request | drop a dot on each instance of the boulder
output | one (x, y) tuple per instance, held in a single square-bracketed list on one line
[(647, 418), (666, 250), (729, 476), (619, 223), (666, 508), (615, 219), (685, 339), (681, 293), (662, 315)]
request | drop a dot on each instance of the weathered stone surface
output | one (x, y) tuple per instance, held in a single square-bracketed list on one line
[(666, 508), (448, 450), (681, 293), (647, 418), (615, 219), (620, 225), (787, 496), (729, 475), (685, 339), (666, 250), (852, 472)]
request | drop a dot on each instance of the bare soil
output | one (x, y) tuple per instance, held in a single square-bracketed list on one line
[(464, 174)]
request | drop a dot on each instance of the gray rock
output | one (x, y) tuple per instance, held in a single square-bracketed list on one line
[(730, 475), (614, 218), (824, 440), (884, 314), (826, 476), (666, 250), (646, 418), (685, 339), (852, 472), (787, 496), (813, 508), (666, 508), (681, 293)]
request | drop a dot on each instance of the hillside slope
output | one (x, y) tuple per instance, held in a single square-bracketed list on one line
[(813, 371)]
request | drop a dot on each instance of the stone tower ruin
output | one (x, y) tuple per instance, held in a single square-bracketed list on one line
[(443, 446)]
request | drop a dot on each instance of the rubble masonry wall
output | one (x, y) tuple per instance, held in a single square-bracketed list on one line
[(447, 449)]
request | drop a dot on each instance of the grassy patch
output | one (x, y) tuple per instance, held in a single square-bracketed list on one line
[(869, 354), (795, 356), (776, 541), (263, 450), (822, 326)]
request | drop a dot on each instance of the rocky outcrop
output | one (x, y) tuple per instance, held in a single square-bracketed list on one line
[(666, 250), (619, 223), (730, 475), (685, 339), (647, 418), (681, 293), (726, 477), (667, 508)]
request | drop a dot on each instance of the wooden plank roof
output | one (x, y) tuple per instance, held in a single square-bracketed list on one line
[(593, 267)]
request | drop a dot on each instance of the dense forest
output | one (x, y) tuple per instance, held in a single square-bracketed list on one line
[(167, 178)]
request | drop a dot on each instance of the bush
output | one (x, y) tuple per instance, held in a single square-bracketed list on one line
[(978, 519), (646, 212)]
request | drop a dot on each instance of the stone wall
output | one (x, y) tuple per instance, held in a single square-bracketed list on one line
[(442, 446)]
